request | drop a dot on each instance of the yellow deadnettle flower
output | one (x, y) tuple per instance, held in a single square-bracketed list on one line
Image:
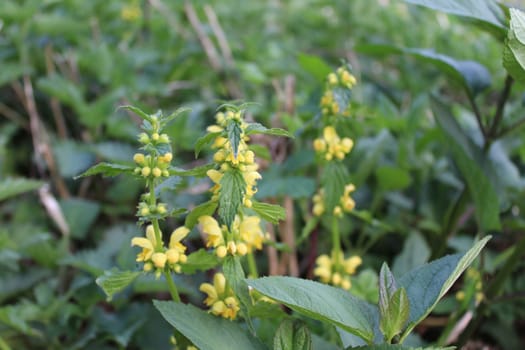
[(147, 244), (337, 274), (211, 228), (331, 145), (220, 299), (346, 203), (251, 232)]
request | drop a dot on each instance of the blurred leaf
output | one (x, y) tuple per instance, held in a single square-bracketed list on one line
[(63, 89), (59, 25), (114, 281), (201, 260), (270, 212), (206, 208), (235, 277), (427, 284), (400, 347), (221, 334), (365, 286), (199, 171), (72, 158), (256, 128), (334, 180), (11, 187), (13, 71), (387, 288), (342, 97), (467, 160), (396, 314), (391, 178), (231, 194), (320, 302), (20, 316), (138, 112), (415, 253), (204, 141), (106, 169), (292, 335), (514, 50), (115, 151), (315, 66), (471, 75), (16, 283), (80, 215)]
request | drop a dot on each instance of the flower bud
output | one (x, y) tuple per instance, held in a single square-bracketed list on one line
[(146, 171)]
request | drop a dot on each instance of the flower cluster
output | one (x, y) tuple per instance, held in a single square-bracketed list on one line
[(155, 255), (245, 235), (342, 78), (227, 157), (331, 146), (336, 271), (221, 299), (346, 203)]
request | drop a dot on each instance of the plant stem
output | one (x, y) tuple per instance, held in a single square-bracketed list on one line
[(336, 241), (478, 116), (494, 289), (512, 127), (252, 266), (501, 106), (172, 287)]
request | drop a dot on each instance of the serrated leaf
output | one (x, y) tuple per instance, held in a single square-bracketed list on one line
[(201, 260), (235, 277), (292, 335), (321, 302), (234, 132), (220, 334), (231, 193), (514, 50), (199, 171), (429, 283), (114, 281), (256, 128), (106, 169), (396, 315), (269, 212), (206, 208), (334, 179), (11, 187), (137, 111), (204, 141)]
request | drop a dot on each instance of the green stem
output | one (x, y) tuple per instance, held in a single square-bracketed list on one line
[(336, 241), (172, 287), (252, 266), (478, 116), (498, 116)]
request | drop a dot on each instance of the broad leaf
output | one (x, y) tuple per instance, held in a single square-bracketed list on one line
[(514, 50), (193, 323), (292, 335), (256, 128), (114, 281), (11, 187), (204, 141), (429, 283), (106, 169), (231, 195), (206, 208), (199, 171), (314, 65), (269, 212), (468, 158), (201, 260), (138, 112), (80, 214), (396, 315), (321, 302), (335, 177)]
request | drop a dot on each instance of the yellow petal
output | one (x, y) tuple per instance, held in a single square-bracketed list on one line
[(142, 242), (330, 135), (178, 234), (219, 282), (159, 260)]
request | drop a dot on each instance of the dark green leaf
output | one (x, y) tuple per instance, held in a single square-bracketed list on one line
[(321, 302), (193, 323), (79, 214), (204, 141), (468, 158), (199, 171), (106, 169), (201, 260), (114, 281), (234, 132), (292, 335), (206, 208), (429, 283), (256, 128), (334, 180), (138, 112), (415, 253), (231, 195), (391, 178), (11, 187), (314, 65), (64, 90), (72, 157), (275, 184), (165, 120), (269, 212)]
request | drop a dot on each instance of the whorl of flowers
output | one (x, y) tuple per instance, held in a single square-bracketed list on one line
[(346, 203), (336, 271), (220, 298)]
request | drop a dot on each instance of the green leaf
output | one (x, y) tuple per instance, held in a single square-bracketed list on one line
[(137, 111), (387, 288), (106, 169), (193, 323), (12, 71), (314, 65), (471, 75), (206, 208), (391, 178), (276, 184), (342, 97), (396, 315), (165, 120), (231, 195), (114, 281), (204, 141), (256, 128), (514, 50), (234, 132), (468, 158), (486, 11), (399, 347), (415, 253), (321, 302), (64, 90), (72, 157), (199, 171), (201, 260), (270, 212), (235, 277), (79, 214), (11, 187), (292, 335), (429, 283), (334, 180)]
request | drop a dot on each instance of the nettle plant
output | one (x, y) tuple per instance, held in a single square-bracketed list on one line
[(231, 224)]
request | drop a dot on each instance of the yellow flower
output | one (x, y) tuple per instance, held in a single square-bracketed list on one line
[(147, 244), (175, 248), (337, 272), (211, 228), (159, 260), (220, 299), (251, 232)]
